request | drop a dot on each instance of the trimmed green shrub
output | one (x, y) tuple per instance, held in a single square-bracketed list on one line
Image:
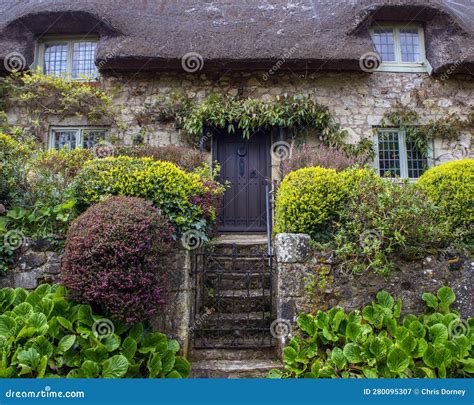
[(44, 334), (175, 192), (308, 201), (376, 343), (451, 186), (115, 257)]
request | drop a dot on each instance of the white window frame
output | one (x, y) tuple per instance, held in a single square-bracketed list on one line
[(79, 137), (398, 65), (402, 147), (70, 41)]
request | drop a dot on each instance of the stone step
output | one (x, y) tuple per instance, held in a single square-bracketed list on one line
[(237, 301), (254, 368), (239, 281), (267, 353), (217, 341), (237, 320)]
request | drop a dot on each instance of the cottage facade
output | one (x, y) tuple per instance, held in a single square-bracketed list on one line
[(357, 57)]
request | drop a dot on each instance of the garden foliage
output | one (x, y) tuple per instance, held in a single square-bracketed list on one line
[(115, 257), (184, 198), (378, 343), (44, 334), (451, 187)]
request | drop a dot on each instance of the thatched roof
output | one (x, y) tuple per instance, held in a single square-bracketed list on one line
[(243, 34)]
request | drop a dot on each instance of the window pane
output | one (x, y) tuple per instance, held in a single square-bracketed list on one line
[(417, 162), (383, 41), (55, 59), (83, 60), (92, 137), (389, 154), (65, 138), (410, 45)]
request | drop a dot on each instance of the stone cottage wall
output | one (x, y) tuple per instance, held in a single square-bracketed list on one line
[(307, 281), (357, 101)]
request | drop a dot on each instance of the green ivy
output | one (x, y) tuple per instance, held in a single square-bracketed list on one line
[(43, 334), (377, 343)]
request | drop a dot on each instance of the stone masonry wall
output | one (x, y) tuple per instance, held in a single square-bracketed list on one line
[(307, 281), (357, 101)]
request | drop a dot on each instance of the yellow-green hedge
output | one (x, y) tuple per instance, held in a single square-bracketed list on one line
[(308, 200), (451, 187), (163, 183)]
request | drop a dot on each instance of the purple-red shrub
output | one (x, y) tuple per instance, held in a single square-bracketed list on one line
[(115, 256)]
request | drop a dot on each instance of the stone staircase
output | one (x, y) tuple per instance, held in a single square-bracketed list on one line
[(232, 337)]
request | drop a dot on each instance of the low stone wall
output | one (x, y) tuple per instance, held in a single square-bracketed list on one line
[(36, 262), (307, 281)]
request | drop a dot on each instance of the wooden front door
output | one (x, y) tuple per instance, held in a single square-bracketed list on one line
[(245, 164)]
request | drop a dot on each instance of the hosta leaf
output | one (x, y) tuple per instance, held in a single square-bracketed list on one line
[(370, 373), (468, 365), (353, 353), (154, 365), (115, 367), (385, 299), (353, 331), (182, 366), (420, 349), (111, 342), (90, 369), (290, 354), (7, 325), (446, 296), (23, 310), (129, 347), (429, 373), (307, 324), (154, 342), (167, 362), (29, 358), (98, 354), (397, 310), (136, 332), (43, 346), (377, 348), (436, 355), (339, 316), (275, 374), (173, 345), (39, 322), (337, 356), (397, 360), (438, 333), (41, 370), (173, 374), (65, 343), (418, 329), (65, 323), (430, 299)]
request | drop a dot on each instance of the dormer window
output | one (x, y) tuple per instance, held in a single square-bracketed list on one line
[(70, 58), (401, 48)]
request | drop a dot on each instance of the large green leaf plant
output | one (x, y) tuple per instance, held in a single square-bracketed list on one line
[(43, 334), (377, 343)]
